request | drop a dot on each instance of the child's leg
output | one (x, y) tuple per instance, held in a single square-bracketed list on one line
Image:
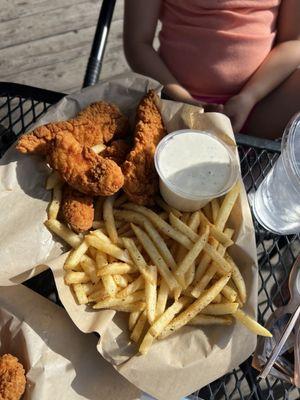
[(270, 116)]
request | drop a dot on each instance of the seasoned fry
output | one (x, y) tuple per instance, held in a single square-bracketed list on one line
[(210, 320), (109, 219), (53, 180), (110, 285), (215, 209), (159, 201), (137, 284), (161, 245), (133, 317), (163, 321), (137, 258), (205, 261), (251, 324), (139, 327), (120, 280), (89, 267), (227, 206), (151, 295), (101, 260), (162, 299), (76, 277), (184, 228), (156, 257), (116, 268), (229, 293), (146, 343), (55, 203), (161, 224), (195, 308), (75, 255), (217, 299), (220, 309), (237, 279), (80, 293), (223, 266), (114, 301), (108, 248), (215, 232), (63, 232), (132, 307)]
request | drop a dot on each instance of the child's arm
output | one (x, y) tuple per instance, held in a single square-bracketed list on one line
[(281, 62), (140, 21)]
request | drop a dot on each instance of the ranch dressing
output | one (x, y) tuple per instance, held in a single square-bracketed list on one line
[(194, 167)]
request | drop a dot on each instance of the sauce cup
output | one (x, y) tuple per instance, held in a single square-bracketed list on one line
[(194, 167)]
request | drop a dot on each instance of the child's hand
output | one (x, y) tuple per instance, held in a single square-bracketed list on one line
[(238, 109)]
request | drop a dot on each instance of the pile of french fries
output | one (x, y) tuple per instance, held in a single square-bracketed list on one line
[(165, 268)]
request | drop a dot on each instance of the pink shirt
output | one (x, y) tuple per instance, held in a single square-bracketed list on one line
[(212, 47)]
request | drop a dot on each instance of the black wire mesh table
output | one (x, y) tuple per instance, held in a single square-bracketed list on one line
[(21, 105)]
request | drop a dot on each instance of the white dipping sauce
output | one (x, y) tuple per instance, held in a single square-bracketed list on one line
[(194, 167)]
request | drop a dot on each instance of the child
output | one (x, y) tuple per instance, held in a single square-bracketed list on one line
[(240, 57)]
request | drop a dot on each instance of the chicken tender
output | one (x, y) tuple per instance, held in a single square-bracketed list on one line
[(141, 180), (98, 123), (12, 378), (117, 151), (82, 168), (77, 209)]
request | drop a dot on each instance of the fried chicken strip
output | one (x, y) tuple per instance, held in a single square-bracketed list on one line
[(117, 151), (141, 180), (77, 209), (98, 123), (12, 378), (82, 168)]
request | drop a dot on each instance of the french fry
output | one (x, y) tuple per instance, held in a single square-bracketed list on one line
[(108, 248), (195, 308), (114, 301), (215, 209), (159, 201), (56, 202), (229, 293), (101, 260), (139, 327), (161, 245), (162, 299), (192, 255), (151, 295), (204, 261), (110, 285), (162, 225), (215, 232), (53, 180), (133, 317), (163, 215), (116, 268), (227, 206), (98, 295), (237, 279), (217, 299), (137, 258), (109, 219), (220, 309), (163, 321), (156, 257), (98, 148), (222, 265), (137, 284), (129, 216), (146, 343), (120, 280), (194, 221), (76, 277), (124, 228), (251, 324), (190, 274), (89, 267), (183, 228), (75, 255), (121, 200), (203, 320), (63, 232), (101, 235), (87, 287), (80, 293)]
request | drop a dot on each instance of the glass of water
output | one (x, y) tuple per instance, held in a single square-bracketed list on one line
[(276, 203)]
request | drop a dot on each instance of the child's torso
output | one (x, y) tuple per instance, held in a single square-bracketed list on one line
[(214, 46)]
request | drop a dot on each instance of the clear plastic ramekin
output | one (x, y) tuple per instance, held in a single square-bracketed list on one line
[(184, 201)]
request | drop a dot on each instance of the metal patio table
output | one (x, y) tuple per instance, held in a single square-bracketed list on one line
[(21, 105)]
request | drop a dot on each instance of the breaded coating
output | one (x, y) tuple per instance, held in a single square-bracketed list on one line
[(98, 123), (77, 209), (108, 116), (82, 168), (12, 378), (141, 180), (117, 151)]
